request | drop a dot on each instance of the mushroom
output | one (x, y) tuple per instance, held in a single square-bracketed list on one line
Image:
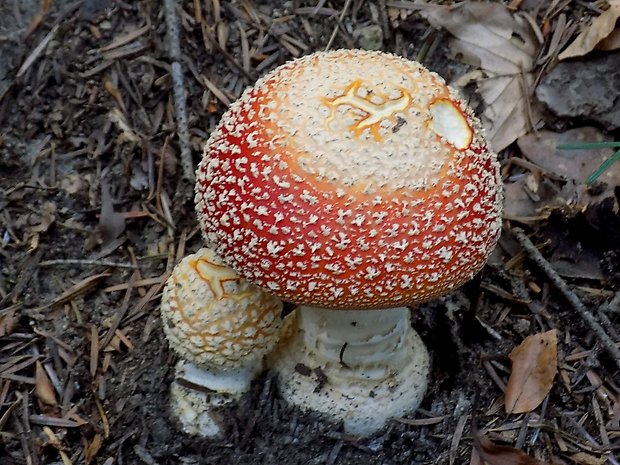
[(355, 184), (221, 326)]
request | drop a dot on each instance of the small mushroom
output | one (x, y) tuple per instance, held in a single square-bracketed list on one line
[(354, 184), (221, 326)]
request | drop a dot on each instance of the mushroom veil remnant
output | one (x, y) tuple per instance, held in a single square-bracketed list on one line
[(354, 184), (221, 326)]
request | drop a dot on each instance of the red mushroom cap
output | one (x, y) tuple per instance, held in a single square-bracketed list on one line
[(350, 179)]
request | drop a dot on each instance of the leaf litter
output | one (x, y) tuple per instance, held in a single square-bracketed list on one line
[(535, 189), (600, 34), (503, 46)]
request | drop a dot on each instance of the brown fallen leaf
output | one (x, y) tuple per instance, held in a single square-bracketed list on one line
[(597, 33), (93, 448), (44, 218), (494, 454), (534, 365), (43, 388)]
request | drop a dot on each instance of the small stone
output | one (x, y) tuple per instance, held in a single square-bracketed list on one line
[(370, 37), (588, 88)]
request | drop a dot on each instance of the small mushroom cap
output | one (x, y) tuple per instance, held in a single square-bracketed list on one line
[(212, 317), (350, 179)]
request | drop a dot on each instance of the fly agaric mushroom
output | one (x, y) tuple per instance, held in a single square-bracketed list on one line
[(221, 326), (352, 183)]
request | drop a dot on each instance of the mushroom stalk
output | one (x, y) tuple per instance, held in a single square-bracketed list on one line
[(361, 367), (197, 391)]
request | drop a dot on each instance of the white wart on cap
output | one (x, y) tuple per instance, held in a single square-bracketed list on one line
[(350, 179)]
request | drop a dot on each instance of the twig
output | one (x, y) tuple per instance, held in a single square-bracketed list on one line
[(178, 88), (36, 52), (86, 263), (343, 13), (456, 438), (568, 294)]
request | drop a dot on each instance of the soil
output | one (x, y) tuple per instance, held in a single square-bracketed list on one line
[(92, 196)]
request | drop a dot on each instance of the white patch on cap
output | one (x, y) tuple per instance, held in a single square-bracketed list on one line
[(450, 123)]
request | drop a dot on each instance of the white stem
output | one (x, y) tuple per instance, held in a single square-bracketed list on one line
[(233, 382), (197, 391), (361, 367), (371, 343)]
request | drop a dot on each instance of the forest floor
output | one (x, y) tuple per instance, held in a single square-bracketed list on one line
[(95, 212)]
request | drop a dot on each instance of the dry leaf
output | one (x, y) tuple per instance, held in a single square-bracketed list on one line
[(534, 365), (611, 42), (598, 31), (503, 45), (574, 165), (526, 197), (494, 454), (93, 448), (43, 389), (75, 291)]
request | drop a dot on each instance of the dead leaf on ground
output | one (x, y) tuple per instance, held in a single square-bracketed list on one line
[(601, 34), (534, 365), (532, 194), (573, 165), (44, 390), (127, 133), (530, 197), (494, 454), (72, 183), (502, 44), (93, 448)]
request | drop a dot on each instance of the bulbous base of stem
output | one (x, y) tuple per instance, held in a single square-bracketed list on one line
[(359, 367), (196, 393)]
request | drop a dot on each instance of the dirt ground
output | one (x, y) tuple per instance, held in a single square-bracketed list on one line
[(92, 198)]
